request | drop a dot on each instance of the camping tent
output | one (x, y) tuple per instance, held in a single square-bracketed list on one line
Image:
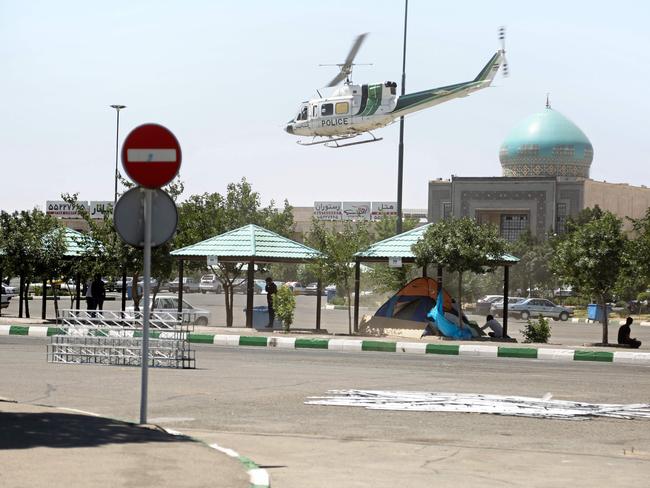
[(414, 300)]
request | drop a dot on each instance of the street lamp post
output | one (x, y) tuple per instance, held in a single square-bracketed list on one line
[(400, 154), (117, 140)]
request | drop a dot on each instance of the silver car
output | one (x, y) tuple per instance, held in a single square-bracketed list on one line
[(534, 307), (169, 303)]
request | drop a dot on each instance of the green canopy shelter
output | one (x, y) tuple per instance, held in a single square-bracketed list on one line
[(400, 246), (249, 244)]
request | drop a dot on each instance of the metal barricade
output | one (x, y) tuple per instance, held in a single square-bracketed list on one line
[(115, 338)]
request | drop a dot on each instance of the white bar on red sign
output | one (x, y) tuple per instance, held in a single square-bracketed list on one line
[(151, 155)]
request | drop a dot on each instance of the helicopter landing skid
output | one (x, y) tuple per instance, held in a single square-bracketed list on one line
[(314, 142), (334, 142)]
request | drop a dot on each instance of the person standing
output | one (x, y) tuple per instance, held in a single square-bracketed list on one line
[(624, 335), (271, 290), (98, 290), (90, 302)]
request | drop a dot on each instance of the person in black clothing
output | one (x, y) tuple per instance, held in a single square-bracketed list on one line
[(98, 291), (624, 335), (271, 289)]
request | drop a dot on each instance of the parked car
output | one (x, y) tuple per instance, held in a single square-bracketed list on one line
[(296, 287), (533, 307), (496, 307), (210, 284), (190, 285), (8, 291), (118, 284), (4, 300), (169, 303), (312, 289), (483, 304)]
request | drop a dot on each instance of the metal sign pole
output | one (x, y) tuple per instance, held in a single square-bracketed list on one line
[(145, 313)]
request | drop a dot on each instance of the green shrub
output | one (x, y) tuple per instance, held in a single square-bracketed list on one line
[(537, 331), (284, 304), (337, 301)]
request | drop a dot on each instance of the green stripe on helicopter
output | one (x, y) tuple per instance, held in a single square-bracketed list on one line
[(374, 99)]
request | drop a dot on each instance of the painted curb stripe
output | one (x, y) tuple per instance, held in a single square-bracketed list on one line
[(201, 338), (343, 345), (517, 352), (252, 341), (603, 356), (226, 340), (555, 354), (312, 343), (352, 345), (631, 357), (379, 346), (258, 477), (481, 351), (449, 349), (411, 347), (282, 342), (37, 331)]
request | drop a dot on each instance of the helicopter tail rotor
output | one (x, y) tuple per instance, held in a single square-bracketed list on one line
[(502, 40), (346, 67)]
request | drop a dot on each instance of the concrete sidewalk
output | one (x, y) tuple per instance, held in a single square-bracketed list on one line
[(43, 446)]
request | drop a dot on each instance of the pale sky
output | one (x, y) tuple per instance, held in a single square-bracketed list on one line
[(226, 76)]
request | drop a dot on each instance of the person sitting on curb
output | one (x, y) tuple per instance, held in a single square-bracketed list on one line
[(492, 323), (624, 335)]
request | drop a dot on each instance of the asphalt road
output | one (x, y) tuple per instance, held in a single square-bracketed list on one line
[(252, 401)]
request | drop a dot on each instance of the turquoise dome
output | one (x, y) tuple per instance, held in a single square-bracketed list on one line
[(546, 144)]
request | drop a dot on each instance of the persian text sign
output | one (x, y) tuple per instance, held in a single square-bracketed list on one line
[(63, 210), (356, 210), (327, 210), (383, 209)]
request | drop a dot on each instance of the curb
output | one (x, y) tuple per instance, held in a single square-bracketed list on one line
[(259, 478), (356, 345)]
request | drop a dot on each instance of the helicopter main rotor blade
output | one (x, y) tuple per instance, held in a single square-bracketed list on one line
[(337, 79), (346, 67)]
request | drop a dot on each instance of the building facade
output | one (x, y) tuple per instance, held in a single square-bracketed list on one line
[(545, 163)]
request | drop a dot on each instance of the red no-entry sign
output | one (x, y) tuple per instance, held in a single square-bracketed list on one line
[(151, 155)]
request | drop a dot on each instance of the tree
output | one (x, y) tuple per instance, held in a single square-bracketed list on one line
[(336, 264), (210, 214), (591, 258), (34, 248), (106, 254), (533, 270), (460, 245)]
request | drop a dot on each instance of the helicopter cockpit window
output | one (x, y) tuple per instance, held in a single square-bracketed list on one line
[(342, 108), (327, 109), (302, 115)]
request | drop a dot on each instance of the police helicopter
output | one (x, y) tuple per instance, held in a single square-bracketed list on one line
[(353, 110)]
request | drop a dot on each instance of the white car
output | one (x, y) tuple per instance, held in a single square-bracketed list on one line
[(296, 287), (210, 284), (169, 303)]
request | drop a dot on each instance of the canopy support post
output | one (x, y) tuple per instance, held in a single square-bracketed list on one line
[(180, 289), (506, 289), (249, 293), (77, 291), (357, 285), (319, 292), (44, 299)]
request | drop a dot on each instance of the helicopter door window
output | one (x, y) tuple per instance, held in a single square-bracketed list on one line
[(314, 111), (342, 108), (327, 109), (303, 114)]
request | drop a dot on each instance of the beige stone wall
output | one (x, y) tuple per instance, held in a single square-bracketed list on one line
[(619, 198)]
